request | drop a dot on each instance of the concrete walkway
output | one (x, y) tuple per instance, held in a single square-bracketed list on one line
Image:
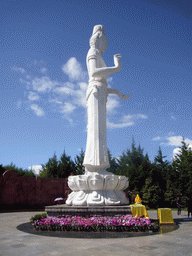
[(18, 238)]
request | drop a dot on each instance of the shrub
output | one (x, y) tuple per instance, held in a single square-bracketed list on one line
[(38, 217)]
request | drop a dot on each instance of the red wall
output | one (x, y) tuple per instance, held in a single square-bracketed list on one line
[(17, 190)]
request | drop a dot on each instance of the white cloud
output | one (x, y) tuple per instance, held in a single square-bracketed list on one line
[(111, 125), (64, 90), (83, 86), (141, 116), (70, 85), (35, 168), (25, 82), (173, 117), (37, 109), (157, 138), (56, 101), (73, 69), (21, 70), (109, 79), (43, 70), (173, 141), (19, 103), (112, 103), (188, 141), (127, 120), (28, 77), (68, 108), (178, 150), (78, 96), (33, 96), (175, 151), (43, 84), (176, 141), (80, 99)]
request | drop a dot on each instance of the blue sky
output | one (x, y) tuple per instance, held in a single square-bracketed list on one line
[(43, 80)]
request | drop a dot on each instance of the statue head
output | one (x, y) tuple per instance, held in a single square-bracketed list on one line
[(98, 39)]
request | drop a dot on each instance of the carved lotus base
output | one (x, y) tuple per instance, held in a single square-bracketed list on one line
[(94, 189)]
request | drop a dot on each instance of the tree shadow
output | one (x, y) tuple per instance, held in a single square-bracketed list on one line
[(183, 220)]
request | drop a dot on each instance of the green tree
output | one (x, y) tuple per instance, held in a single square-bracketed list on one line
[(58, 168), (43, 172), (171, 193), (172, 190), (123, 164), (2, 170), (50, 169), (135, 165), (66, 166), (157, 180), (151, 193), (114, 167), (20, 171), (183, 165), (160, 162), (80, 169), (26, 173), (161, 168), (10, 167)]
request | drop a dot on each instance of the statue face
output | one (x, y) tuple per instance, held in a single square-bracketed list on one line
[(102, 44)]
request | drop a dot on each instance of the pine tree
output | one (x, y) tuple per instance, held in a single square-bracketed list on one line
[(123, 164), (183, 165), (50, 169), (151, 193), (20, 171), (114, 167), (160, 168), (80, 169), (135, 165), (172, 191), (2, 170), (58, 169), (170, 194), (66, 166)]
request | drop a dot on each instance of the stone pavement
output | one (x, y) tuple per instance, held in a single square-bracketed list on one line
[(17, 238)]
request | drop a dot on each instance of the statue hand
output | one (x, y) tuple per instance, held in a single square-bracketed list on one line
[(125, 97), (121, 96), (117, 61)]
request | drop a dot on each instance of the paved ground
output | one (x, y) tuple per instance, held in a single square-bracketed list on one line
[(17, 238)]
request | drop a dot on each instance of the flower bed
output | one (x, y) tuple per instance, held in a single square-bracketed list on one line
[(76, 223)]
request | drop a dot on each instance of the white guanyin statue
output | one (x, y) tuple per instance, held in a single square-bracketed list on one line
[(97, 186)]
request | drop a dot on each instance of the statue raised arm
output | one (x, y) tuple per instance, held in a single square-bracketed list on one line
[(121, 96)]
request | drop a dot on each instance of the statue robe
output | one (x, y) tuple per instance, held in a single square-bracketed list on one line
[(96, 154)]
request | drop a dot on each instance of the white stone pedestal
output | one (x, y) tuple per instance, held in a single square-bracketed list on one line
[(97, 189)]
